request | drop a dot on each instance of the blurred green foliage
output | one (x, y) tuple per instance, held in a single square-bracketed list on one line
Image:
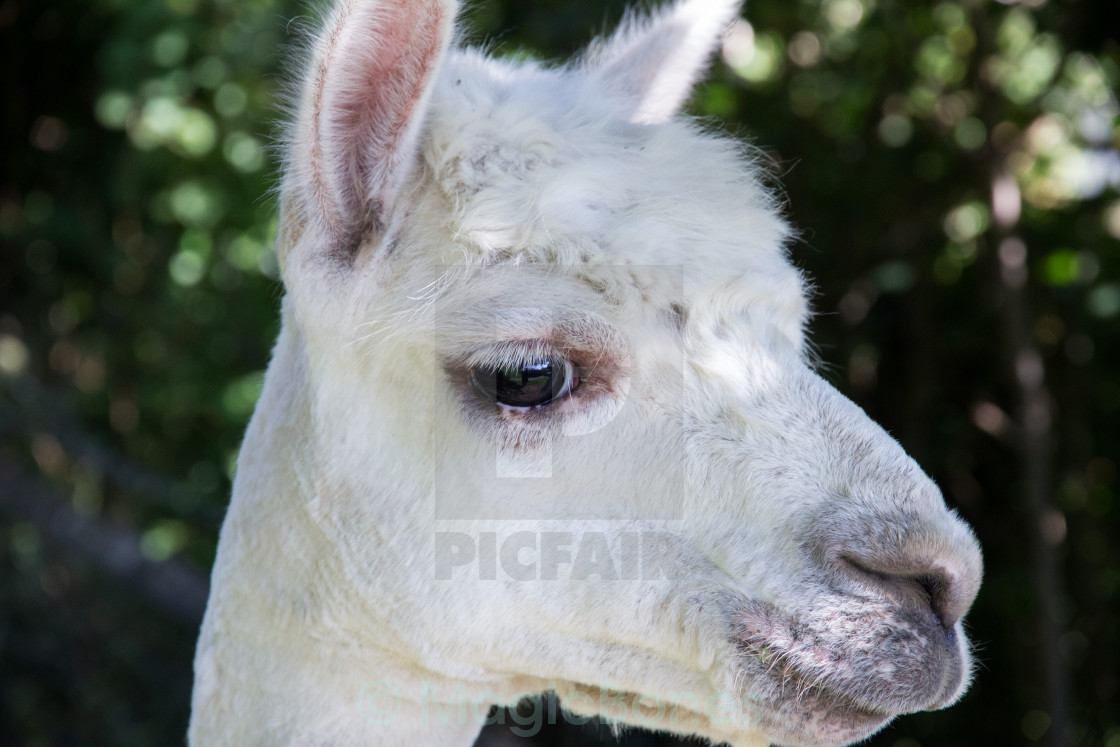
[(139, 297)]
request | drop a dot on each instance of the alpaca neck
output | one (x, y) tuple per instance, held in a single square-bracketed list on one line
[(284, 656), (245, 696)]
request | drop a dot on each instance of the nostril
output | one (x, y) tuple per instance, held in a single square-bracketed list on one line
[(926, 566), (937, 594), (933, 589)]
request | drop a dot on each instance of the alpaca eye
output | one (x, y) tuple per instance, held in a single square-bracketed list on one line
[(526, 385)]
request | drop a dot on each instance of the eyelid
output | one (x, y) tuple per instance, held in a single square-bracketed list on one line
[(513, 354)]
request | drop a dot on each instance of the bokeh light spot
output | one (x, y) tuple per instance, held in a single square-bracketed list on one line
[(895, 130), (967, 221), (1104, 301), (164, 539)]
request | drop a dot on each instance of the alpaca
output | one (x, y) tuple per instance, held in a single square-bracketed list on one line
[(541, 417)]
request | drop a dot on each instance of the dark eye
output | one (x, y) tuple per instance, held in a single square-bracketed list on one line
[(530, 384)]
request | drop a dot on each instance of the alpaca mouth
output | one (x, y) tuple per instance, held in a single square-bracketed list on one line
[(839, 677)]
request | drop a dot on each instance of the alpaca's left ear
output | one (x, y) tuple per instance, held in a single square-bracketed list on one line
[(651, 64)]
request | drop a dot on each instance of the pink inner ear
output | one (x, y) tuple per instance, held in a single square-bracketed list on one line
[(374, 68)]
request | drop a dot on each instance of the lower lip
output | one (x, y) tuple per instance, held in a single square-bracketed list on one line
[(835, 725)]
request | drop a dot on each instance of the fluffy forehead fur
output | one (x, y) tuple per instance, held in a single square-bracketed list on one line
[(534, 165), (535, 162)]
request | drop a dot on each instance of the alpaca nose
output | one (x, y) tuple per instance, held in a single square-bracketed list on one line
[(945, 588), (935, 568)]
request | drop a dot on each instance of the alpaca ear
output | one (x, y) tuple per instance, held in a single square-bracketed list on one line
[(651, 64), (360, 112)]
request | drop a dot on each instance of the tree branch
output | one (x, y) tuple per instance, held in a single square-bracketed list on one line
[(1035, 446)]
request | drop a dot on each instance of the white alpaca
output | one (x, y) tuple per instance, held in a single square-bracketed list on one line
[(540, 418)]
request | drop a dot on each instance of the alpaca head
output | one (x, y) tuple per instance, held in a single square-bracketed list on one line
[(559, 426)]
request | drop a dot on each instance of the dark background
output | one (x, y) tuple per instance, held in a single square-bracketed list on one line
[(139, 295)]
